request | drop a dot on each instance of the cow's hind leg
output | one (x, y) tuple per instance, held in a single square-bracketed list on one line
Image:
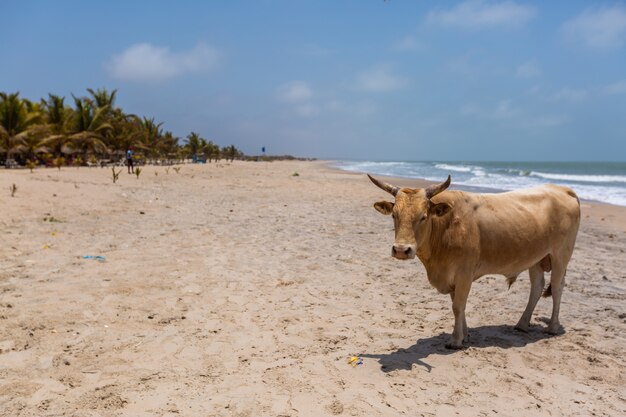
[(556, 287), (536, 286)]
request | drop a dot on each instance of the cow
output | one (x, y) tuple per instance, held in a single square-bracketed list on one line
[(460, 236)]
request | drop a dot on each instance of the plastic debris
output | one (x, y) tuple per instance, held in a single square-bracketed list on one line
[(355, 360), (96, 258)]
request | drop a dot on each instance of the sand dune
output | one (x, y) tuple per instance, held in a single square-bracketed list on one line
[(242, 290)]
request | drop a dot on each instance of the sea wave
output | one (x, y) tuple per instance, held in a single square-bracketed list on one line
[(605, 184), (457, 168), (580, 178)]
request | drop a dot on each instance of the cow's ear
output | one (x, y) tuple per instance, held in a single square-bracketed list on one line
[(384, 207), (439, 209)]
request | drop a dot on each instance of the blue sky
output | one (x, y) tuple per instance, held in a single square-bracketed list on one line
[(368, 79)]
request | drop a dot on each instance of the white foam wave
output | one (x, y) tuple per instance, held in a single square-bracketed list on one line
[(456, 168), (604, 188), (580, 178)]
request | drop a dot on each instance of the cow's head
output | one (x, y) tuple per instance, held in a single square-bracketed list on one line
[(412, 212)]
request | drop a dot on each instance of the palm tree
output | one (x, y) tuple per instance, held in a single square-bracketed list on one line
[(126, 131), (31, 145), (231, 152), (57, 119), (149, 139), (18, 119), (92, 126), (194, 144), (168, 145), (103, 98), (209, 149), (89, 126)]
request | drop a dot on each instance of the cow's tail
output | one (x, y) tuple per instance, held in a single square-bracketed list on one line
[(571, 193), (548, 291), (511, 280)]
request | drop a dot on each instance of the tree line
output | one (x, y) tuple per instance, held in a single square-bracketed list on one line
[(93, 130)]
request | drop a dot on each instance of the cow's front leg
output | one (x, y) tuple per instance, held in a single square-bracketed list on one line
[(466, 337), (459, 300)]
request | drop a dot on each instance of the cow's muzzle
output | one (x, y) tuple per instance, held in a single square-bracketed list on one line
[(403, 251)]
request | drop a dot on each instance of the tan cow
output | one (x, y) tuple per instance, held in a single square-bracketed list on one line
[(461, 236)]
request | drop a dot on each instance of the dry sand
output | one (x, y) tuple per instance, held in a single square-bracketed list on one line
[(241, 290)]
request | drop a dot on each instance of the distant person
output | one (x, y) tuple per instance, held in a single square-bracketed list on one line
[(129, 160)]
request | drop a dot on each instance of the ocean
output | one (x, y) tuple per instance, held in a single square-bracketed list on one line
[(597, 181)]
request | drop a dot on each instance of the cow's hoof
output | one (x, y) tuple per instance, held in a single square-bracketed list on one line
[(554, 330), (453, 346), (520, 328)]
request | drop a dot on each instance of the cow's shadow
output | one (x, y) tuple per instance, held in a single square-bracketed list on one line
[(502, 336)]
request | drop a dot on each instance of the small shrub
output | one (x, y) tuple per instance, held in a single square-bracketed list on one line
[(177, 169), (13, 189), (78, 161), (295, 174), (59, 162), (137, 172), (116, 175), (30, 165)]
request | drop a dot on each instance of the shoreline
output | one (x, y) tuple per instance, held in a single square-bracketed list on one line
[(486, 189)]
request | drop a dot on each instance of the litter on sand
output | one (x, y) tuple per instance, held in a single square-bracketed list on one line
[(96, 258), (355, 360)]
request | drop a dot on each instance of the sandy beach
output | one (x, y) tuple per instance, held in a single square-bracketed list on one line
[(241, 289)]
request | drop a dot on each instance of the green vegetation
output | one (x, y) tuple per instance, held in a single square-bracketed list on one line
[(116, 175), (92, 131)]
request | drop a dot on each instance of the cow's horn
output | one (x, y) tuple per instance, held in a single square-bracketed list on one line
[(383, 185), (433, 190)]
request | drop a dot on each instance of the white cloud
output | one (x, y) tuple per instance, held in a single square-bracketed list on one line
[(335, 106), (504, 109), (470, 109), (146, 62), (365, 108), (528, 70), (307, 110), (474, 14), (476, 64), (294, 91), (598, 29), (544, 122), (314, 50), (615, 88), (570, 95), (379, 79), (408, 43)]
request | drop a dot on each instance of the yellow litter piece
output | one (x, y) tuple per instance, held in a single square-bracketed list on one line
[(355, 360)]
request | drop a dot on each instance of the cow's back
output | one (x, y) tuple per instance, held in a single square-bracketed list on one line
[(509, 232)]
